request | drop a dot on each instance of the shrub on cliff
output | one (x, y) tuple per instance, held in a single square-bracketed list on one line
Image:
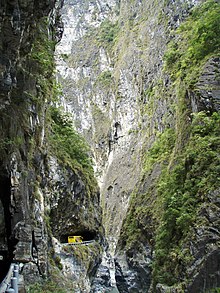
[(68, 145)]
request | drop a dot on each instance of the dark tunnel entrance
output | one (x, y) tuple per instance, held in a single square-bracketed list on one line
[(86, 236), (6, 243)]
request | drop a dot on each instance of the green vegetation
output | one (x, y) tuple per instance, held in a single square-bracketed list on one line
[(58, 263), (215, 290), (69, 147), (28, 101), (131, 231), (83, 252), (6, 143), (142, 205), (194, 171), (173, 201), (182, 165), (197, 39), (47, 287), (65, 57), (56, 283), (86, 255), (43, 49), (161, 150), (105, 78), (183, 188), (108, 33), (41, 61)]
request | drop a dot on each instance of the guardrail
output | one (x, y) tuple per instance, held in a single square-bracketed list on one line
[(10, 282)]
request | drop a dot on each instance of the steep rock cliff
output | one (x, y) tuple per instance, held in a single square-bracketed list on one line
[(141, 79), (45, 183), (22, 124)]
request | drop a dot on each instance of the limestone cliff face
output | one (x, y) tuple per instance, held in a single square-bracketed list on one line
[(43, 192), (140, 80), (22, 129), (139, 86)]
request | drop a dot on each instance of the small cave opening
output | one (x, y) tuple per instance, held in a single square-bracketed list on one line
[(7, 243), (85, 236)]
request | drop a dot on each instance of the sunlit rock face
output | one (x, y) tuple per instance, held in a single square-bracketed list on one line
[(104, 110), (144, 93), (110, 63)]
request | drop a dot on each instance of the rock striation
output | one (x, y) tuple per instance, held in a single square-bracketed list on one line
[(138, 81), (137, 96), (42, 192)]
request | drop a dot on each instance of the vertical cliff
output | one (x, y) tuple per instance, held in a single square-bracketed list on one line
[(48, 190), (28, 38), (127, 139), (141, 80)]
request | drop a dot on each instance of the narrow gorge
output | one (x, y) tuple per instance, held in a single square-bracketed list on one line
[(110, 130)]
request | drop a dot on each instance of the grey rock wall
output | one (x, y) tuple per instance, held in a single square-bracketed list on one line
[(40, 197), (22, 122), (108, 87), (110, 65)]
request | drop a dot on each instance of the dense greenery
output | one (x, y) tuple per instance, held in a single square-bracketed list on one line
[(108, 33), (183, 188), (174, 199), (161, 149), (42, 49), (70, 148), (142, 205), (6, 143), (47, 287), (196, 39), (68, 145), (216, 290), (195, 168), (87, 255), (182, 165)]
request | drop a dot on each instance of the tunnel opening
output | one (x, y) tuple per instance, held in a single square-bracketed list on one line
[(6, 240), (86, 236)]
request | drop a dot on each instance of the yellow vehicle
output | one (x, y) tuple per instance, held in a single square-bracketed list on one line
[(74, 239)]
